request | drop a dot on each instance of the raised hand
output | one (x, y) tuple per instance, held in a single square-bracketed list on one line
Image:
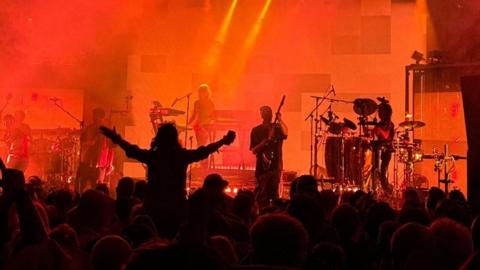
[(110, 133), (229, 137)]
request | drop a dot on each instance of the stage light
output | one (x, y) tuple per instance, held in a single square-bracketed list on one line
[(252, 36), (222, 33), (249, 42), (212, 56)]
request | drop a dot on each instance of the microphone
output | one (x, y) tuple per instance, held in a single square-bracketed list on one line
[(174, 102), (54, 99)]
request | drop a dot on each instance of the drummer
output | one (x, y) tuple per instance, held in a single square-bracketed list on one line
[(384, 132)]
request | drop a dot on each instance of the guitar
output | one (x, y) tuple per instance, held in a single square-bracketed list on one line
[(268, 156)]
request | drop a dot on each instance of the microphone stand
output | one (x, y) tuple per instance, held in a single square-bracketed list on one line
[(81, 123), (187, 96), (314, 128)]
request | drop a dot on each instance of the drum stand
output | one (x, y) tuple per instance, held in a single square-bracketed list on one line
[(443, 160), (315, 133)]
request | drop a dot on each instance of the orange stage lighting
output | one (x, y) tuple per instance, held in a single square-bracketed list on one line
[(212, 56), (252, 36)]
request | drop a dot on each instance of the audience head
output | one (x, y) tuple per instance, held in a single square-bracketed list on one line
[(376, 215), (278, 240), (356, 196), (413, 214), (329, 200), (125, 187), (326, 256), (243, 206), (457, 196), (215, 182), (309, 212), (137, 234), (307, 184), (65, 235), (385, 233), (64, 199), (453, 244), (411, 247), (110, 252), (140, 189), (166, 138), (450, 209), (435, 195), (103, 188), (411, 198), (346, 221)]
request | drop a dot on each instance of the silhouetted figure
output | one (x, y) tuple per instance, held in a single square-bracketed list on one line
[(17, 137), (167, 163), (266, 141), (384, 131), (92, 142)]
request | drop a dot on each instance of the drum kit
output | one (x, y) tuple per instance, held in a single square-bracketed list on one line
[(55, 153), (353, 151)]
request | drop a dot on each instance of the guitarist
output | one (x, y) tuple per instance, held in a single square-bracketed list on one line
[(266, 142)]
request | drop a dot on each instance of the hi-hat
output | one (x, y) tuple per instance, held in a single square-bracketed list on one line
[(412, 124), (349, 124)]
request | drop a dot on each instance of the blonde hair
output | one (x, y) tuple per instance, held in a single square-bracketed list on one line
[(205, 87)]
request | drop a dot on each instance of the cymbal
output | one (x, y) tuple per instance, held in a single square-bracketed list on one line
[(349, 124), (165, 112), (412, 124), (364, 106)]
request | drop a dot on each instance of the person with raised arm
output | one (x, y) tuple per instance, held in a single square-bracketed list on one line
[(167, 162)]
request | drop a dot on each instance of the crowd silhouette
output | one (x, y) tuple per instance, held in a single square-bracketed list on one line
[(151, 224)]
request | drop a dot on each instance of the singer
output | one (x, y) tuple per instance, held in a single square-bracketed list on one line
[(203, 115)]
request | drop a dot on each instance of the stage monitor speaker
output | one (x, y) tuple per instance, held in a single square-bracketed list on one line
[(471, 103)]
